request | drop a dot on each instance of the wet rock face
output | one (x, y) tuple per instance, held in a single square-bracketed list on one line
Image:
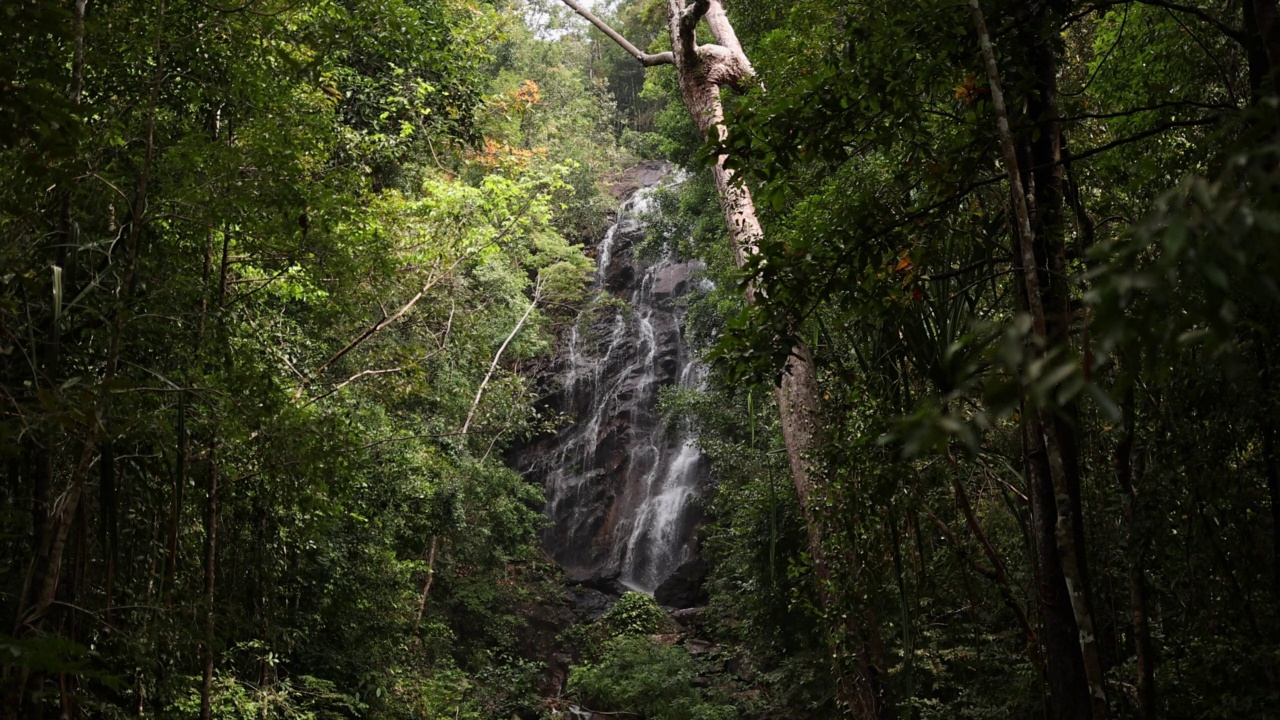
[(620, 483)]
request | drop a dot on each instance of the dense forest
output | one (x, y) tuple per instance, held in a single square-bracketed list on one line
[(985, 295)]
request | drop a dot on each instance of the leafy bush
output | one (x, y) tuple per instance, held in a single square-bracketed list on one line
[(307, 698), (635, 614), (640, 675)]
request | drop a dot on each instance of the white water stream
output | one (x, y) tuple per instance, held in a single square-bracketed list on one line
[(622, 482)]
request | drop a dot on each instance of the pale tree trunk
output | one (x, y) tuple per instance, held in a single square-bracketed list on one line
[(426, 585), (702, 71)]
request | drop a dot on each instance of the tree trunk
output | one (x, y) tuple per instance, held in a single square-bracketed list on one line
[(1000, 575), (1262, 46), (1048, 193), (50, 522), (1046, 430), (46, 564), (43, 518), (702, 71), (1271, 466), (182, 461), (426, 585), (1064, 664), (210, 574), (108, 519), (1144, 657)]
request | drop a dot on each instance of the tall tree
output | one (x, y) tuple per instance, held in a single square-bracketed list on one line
[(703, 71), (1052, 450)]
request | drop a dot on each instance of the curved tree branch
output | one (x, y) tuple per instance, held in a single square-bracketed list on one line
[(645, 58), (497, 357), (1201, 15), (722, 30), (1235, 34), (689, 19)]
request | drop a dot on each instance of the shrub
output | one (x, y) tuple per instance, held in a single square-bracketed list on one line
[(635, 614), (640, 675)]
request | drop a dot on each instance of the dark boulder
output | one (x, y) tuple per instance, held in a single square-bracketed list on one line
[(689, 617), (684, 589), (604, 580), (589, 603)]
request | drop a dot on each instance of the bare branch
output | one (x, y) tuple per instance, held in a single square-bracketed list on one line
[(405, 438), (1201, 15), (1209, 120), (1148, 108), (497, 357), (432, 279), (448, 326), (375, 328), (645, 58), (348, 381)]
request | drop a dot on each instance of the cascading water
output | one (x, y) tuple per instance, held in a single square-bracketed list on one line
[(620, 483)]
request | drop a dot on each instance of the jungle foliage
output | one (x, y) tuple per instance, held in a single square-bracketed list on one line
[(271, 275), (1146, 137), (277, 280)]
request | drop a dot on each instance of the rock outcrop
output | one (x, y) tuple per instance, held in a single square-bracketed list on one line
[(684, 587), (621, 485)]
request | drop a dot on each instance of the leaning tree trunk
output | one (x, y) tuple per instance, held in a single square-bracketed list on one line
[(702, 71)]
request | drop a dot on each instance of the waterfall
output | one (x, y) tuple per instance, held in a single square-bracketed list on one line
[(621, 484)]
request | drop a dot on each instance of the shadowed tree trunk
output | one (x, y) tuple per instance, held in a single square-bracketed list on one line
[(1053, 452), (210, 577), (1144, 655), (1262, 45)]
